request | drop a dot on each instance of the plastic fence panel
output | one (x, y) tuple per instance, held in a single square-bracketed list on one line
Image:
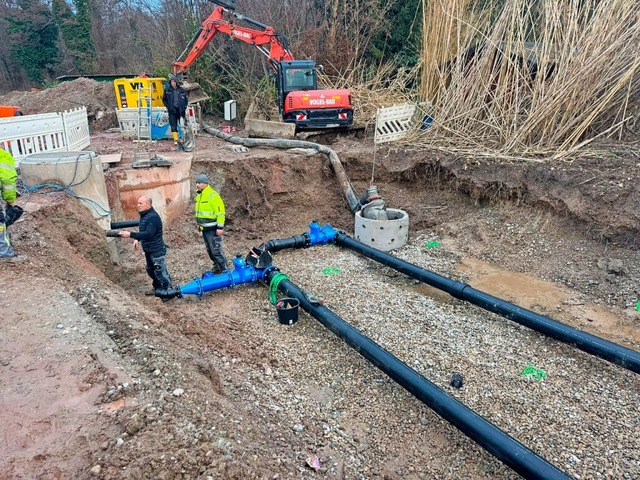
[(76, 128), (393, 122)]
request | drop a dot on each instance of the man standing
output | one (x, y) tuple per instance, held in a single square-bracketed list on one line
[(8, 177), (210, 218), (176, 101), (150, 238)]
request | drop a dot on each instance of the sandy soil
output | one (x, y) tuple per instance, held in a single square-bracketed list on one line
[(99, 381)]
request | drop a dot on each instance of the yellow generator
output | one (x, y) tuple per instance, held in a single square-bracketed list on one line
[(137, 92)]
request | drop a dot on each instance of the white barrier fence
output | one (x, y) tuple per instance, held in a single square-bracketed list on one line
[(67, 131), (393, 123), (150, 123)]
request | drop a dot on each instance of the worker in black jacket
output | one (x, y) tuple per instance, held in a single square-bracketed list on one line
[(175, 100), (150, 238)]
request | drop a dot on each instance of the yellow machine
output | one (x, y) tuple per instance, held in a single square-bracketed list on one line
[(136, 92), (142, 114)]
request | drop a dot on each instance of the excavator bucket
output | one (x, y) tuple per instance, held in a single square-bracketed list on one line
[(229, 4), (195, 92)]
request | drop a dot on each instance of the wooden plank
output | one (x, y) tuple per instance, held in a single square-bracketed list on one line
[(111, 158)]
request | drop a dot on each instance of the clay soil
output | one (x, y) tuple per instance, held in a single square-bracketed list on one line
[(98, 380)]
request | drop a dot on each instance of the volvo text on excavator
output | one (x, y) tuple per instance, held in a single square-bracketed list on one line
[(299, 99)]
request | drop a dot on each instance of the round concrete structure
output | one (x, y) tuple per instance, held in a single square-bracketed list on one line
[(384, 235)]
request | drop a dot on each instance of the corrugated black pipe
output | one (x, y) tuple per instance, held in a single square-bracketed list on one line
[(505, 448), (612, 352), (125, 224)]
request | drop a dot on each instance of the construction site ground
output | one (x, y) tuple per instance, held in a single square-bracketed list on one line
[(99, 381)]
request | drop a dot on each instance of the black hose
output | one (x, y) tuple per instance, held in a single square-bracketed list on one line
[(505, 448), (612, 352)]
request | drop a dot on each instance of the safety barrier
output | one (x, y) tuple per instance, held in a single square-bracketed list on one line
[(134, 122), (46, 132), (393, 123)]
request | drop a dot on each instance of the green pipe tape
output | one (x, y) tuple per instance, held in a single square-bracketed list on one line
[(273, 286)]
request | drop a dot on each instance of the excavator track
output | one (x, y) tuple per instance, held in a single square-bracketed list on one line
[(328, 136)]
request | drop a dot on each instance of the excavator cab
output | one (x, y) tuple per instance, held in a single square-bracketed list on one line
[(297, 75), (300, 101), (303, 78)]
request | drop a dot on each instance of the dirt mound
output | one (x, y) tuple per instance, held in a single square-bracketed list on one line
[(98, 97)]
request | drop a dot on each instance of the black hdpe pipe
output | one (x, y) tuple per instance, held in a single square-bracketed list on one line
[(297, 241), (347, 188), (125, 224), (505, 448), (612, 352)]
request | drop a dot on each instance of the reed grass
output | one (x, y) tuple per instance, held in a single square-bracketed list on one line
[(580, 81)]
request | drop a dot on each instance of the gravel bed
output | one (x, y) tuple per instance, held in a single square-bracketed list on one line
[(583, 417)]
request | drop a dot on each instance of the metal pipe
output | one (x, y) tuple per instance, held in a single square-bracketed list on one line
[(612, 352), (190, 44), (508, 450), (250, 21), (125, 224)]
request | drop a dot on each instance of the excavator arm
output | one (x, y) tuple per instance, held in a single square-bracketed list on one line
[(271, 44), (299, 99)]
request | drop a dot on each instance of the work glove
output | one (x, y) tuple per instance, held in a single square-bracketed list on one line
[(13, 213)]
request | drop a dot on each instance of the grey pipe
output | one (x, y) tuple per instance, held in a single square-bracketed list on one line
[(345, 183)]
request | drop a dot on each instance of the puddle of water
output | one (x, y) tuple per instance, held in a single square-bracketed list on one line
[(542, 297), (548, 299), (431, 292), (518, 288)]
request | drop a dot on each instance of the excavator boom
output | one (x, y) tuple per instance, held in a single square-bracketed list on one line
[(277, 50)]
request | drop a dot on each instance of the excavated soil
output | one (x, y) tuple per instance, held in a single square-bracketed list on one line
[(100, 381), (99, 98)]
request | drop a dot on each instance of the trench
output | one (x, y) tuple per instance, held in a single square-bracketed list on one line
[(359, 423)]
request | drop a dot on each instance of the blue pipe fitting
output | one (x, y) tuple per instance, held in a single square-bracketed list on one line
[(242, 273), (321, 235)]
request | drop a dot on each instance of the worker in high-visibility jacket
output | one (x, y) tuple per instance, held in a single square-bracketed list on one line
[(210, 217), (8, 177)]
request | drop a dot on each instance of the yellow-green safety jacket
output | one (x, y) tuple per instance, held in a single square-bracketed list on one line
[(8, 177), (209, 209)]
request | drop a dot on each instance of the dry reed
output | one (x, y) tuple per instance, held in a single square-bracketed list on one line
[(528, 78)]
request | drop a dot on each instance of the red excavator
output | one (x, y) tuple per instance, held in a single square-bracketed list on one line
[(299, 99)]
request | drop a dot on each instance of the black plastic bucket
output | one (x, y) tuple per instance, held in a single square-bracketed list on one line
[(287, 309)]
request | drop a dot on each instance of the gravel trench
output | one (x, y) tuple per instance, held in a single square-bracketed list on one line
[(583, 417)]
